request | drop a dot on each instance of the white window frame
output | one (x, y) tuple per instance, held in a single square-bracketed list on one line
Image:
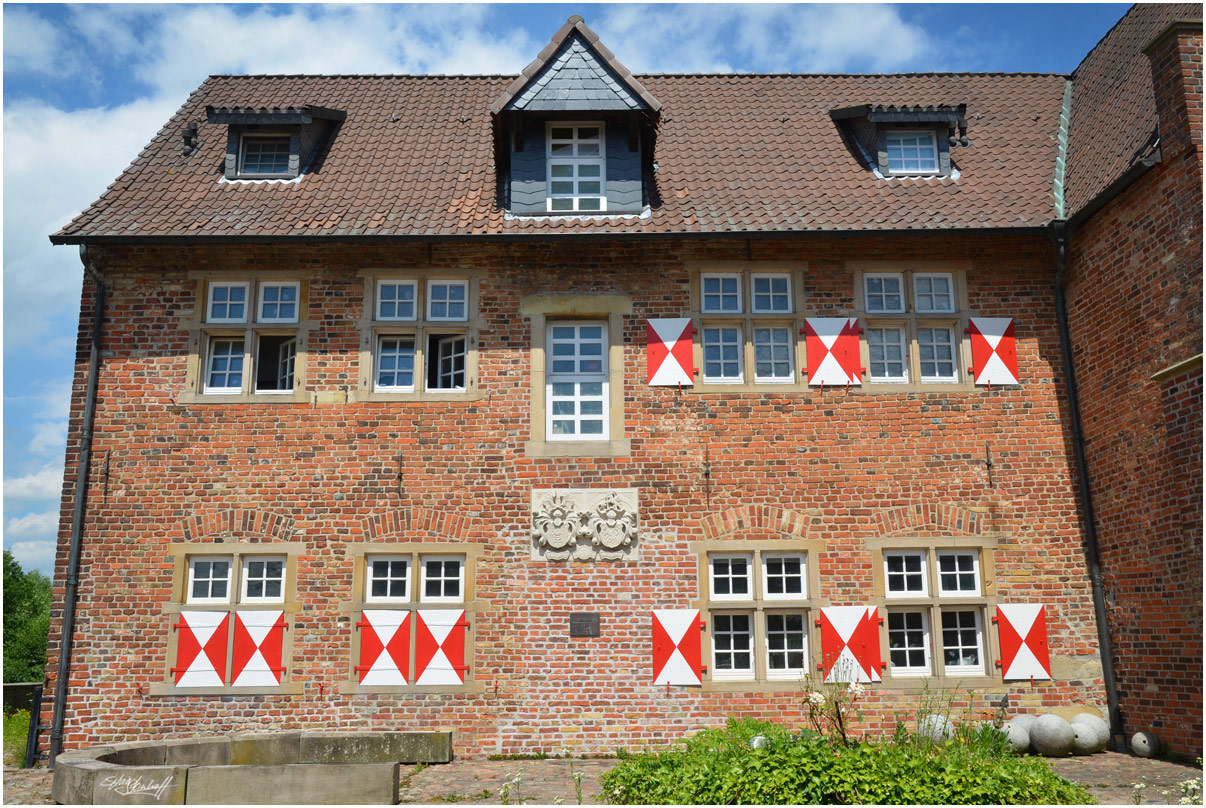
[(247, 137), (791, 350), (577, 378), (576, 161), (767, 594), (925, 582), (369, 597), (949, 277), (904, 293), (440, 356), (927, 642), (752, 649), (784, 276), (704, 277), (414, 301), (954, 346), (463, 285), (247, 560), (975, 557), (414, 368), (209, 301), (289, 361), (785, 673), (902, 329), (208, 366), (260, 302), (913, 133), (188, 594), (748, 558), (964, 670), (423, 596), (703, 345)]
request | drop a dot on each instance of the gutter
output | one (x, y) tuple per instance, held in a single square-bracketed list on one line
[(77, 513)]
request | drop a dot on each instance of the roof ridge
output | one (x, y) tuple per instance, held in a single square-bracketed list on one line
[(735, 74), (1101, 41)]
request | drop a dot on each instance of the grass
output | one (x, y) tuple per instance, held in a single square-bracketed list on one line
[(16, 732)]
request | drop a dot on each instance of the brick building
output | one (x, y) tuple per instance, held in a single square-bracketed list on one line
[(583, 409)]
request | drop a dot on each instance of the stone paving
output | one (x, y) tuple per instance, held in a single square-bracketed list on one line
[(1107, 776)]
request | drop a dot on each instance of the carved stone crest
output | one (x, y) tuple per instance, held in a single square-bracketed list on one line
[(584, 524)]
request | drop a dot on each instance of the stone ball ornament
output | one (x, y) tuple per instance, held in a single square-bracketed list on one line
[(1024, 720), (1018, 736), (1145, 744), (1084, 740), (1052, 736), (935, 727), (1100, 727)]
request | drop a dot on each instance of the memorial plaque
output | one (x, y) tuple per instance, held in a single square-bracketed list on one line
[(584, 624)]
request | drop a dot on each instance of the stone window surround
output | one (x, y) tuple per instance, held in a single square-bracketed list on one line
[(200, 333), (370, 329), (758, 606), (179, 554), (541, 309), (350, 610), (934, 603)]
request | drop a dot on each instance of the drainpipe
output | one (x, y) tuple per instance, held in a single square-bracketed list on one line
[(77, 512), (1059, 234)]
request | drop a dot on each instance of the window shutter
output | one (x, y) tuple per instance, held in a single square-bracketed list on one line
[(440, 647), (384, 647), (850, 644), (669, 346), (676, 647), (259, 637), (833, 351), (1023, 631), (201, 649), (994, 350)]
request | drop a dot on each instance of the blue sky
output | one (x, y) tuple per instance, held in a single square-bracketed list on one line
[(86, 86)]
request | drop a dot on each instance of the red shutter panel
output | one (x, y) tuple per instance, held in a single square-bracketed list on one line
[(833, 351), (440, 647), (259, 637), (669, 350), (384, 647), (850, 644), (994, 350), (201, 649), (677, 658), (1023, 631)]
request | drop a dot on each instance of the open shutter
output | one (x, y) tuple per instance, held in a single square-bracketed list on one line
[(994, 350), (850, 644), (201, 649), (259, 637), (440, 647), (669, 349), (384, 647), (833, 351), (1023, 631), (676, 647)]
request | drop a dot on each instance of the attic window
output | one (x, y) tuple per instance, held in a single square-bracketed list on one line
[(575, 161), (904, 141), (264, 156), (273, 143), (912, 152)]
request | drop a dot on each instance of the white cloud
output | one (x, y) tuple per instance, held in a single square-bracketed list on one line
[(33, 45), (42, 484), (33, 555), (41, 525)]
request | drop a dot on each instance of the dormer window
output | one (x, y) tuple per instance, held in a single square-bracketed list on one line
[(912, 152), (264, 156), (274, 143), (576, 167), (901, 142)]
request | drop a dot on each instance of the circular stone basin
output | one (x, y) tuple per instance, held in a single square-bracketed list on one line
[(284, 768)]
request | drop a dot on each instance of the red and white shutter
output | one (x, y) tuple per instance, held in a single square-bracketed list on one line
[(440, 647), (1023, 631), (833, 351), (676, 647), (384, 647), (994, 350), (669, 347), (850, 644), (201, 649), (259, 637)]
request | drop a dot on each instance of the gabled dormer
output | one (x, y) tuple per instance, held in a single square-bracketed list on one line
[(574, 134), (905, 141), (265, 143)]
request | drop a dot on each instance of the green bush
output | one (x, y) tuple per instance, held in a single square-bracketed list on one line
[(26, 621), (718, 767), (16, 732)]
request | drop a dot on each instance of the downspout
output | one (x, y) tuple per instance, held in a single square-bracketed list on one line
[(77, 513)]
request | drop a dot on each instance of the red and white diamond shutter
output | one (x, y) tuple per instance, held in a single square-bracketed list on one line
[(994, 350), (201, 649), (676, 647), (669, 348), (384, 647), (850, 644), (440, 647), (833, 351), (259, 637), (1024, 651)]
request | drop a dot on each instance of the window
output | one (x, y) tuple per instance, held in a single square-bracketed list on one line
[(264, 156), (757, 607), (443, 579), (576, 178), (958, 572), (755, 344), (885, 293), (912, 152), (905, 574), (388, 578), (909, 643), (936, 349), (962, 641), (227, 303), (208, 580), (419, 338), (722, 349), (263, 579), (887, 355), (576, 381), (772, 355), (933, 292), (278, 302), (771, 294), (721, 294)]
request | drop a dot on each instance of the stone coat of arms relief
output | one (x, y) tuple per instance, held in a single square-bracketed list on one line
[(582, 524)]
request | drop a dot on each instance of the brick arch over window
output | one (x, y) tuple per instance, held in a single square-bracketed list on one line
[(763, 518), (238, 523), (417, 522), (933, 519)]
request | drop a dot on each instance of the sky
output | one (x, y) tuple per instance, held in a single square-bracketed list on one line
[(87, 86)]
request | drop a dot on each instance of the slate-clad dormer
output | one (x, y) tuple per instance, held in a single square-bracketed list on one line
[(574, 134)]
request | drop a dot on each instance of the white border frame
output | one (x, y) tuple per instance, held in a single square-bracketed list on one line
[(933, 142), (975, 555), (369, 558), (412, 283), (749, 574), (964, 670), (703, 307), (249, 558), (766, 593), (464, 284), (209, 302), (188, 592), (791, 304), (791, 674), (423, 596), (927, 645), (950, 279), (925, 576), (743, 674), (904, 294), (259, 303)]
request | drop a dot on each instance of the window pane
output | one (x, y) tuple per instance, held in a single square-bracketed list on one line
[(771, 294), (936, 347), (772, 354), (722, 353), (396, 363)]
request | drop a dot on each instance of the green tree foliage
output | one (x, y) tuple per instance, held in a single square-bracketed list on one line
[(26, 622)]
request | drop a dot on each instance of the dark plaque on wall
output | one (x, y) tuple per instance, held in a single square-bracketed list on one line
[(584, 624)]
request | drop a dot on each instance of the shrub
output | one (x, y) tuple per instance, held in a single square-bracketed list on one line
[(718, 766), (16, 732)]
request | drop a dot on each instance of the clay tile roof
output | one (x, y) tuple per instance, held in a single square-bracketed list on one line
[(1113, 105)]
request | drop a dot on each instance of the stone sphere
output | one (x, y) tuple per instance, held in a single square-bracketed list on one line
[(759, 742), (1084, 740), (1052, 736), (1145, 744), (1018, 735), (1098, 725), (1024, 720), (935, 727)]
